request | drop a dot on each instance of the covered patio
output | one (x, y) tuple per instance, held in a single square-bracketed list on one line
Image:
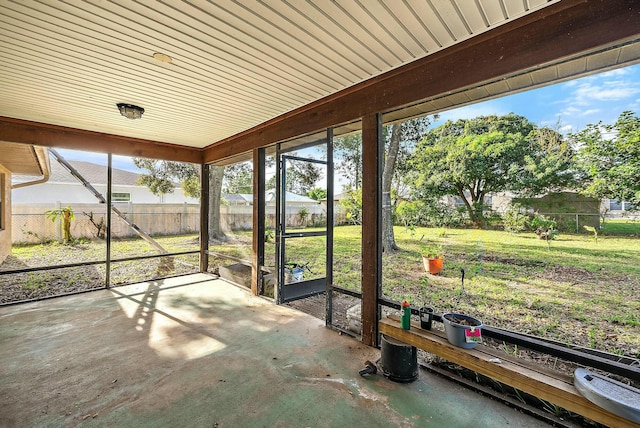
[(229, 82), (196, 351)]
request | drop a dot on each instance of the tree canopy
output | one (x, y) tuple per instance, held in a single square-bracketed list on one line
[(317, 193), (347, 152), (609, 157), (470, 158), (301, 177), (163, 175), (238, 178)]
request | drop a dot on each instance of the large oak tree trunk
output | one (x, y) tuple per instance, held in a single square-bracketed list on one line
[(216, 173), (388, 237)]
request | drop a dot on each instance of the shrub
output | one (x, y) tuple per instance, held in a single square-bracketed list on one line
[(303, 213), (516, 219), (544, 227), (353, 205), (408, 213)]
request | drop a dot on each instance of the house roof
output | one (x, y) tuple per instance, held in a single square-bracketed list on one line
[(93, 173), (211, 74), (25, 159), (238, 198), (270, 196), (290, 197)]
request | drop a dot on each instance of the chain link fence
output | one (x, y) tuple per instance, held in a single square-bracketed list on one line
[(574, 222)]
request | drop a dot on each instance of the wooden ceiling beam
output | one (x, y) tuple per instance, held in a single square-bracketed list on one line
[(42, 134), (562, 30)]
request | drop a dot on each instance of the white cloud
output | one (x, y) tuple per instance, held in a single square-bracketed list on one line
[(609, 91), (617, 72), (605, 94), (566, 129)]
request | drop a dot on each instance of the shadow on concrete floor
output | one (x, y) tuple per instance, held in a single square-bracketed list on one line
[(197, 352)]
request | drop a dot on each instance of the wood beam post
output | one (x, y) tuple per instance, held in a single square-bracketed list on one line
[(371, 225), (204, 218), (257, 253)]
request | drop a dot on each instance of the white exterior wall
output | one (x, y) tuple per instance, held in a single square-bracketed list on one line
[(72, 193)]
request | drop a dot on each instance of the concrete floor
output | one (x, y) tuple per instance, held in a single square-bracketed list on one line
[(197, 352)]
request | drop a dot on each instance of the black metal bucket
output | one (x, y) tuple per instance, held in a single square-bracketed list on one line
[(398, 361)]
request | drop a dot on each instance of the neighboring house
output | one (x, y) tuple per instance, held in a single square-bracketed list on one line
[(16, 161), (618, 208), (64, 188), (237, 214), (246, 199), (291, 198), (238, 199), (339, 211)]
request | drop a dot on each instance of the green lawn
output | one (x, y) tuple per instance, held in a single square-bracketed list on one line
[(576, 290), (621, 227)]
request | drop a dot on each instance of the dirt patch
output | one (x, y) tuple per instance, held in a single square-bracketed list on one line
[(39, 284), (567, 274)]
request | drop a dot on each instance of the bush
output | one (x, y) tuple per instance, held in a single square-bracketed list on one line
[(430, 213), (303, 214), (516, 219), (544, 227), (408, 213), (353, 205)]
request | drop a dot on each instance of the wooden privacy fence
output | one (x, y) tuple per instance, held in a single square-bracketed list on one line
[(29, 224)]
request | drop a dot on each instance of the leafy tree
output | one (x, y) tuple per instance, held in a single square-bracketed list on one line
[(163, 175), (238, 178), (161, 178), (348, 155), (301, 177), (303, 214), (609, 157), (353, 205), (549, 165), (317, 193), (400, 140), (472, 158)]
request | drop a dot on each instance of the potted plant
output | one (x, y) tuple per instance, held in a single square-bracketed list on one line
[(462, 330), (432, 258)]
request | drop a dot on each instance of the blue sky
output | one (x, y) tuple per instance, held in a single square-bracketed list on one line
[(572, 104), (567, 106)]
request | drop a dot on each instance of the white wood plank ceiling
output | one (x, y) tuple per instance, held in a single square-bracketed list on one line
[(234, 63)]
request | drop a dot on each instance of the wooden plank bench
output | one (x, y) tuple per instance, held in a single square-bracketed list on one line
[(555, 388)]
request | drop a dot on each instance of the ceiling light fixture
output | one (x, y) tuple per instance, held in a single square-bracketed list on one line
[(130, 111)]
